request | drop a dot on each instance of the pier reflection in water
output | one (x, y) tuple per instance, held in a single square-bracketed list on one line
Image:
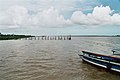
[(53, 59)]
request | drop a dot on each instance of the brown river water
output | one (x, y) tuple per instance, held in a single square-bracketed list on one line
[(54, 60)]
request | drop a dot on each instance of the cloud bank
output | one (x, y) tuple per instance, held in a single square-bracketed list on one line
[(17, 16), (20, 16), (100, 16)]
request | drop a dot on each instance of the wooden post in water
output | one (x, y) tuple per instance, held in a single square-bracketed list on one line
[(64, 37), (35, 37), (47, 37), (25, 38), (29, 38), (55, 37), (43, 37), (69, 37), (59, 37)]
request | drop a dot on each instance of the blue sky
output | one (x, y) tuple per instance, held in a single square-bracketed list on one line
[(114, 4), (60, 17)]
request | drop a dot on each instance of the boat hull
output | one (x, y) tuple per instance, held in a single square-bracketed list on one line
[(106, 64)]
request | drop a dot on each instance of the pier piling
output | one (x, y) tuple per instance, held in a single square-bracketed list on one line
[(48, 38)]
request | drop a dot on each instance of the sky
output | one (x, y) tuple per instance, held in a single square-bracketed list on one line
[(60, 17)]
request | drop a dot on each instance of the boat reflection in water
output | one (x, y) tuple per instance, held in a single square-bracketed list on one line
[(109, 62)]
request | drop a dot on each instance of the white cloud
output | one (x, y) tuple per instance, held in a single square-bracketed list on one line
[(39, 12), (100, 16), (50, 17), (15, 15), (19, 16)]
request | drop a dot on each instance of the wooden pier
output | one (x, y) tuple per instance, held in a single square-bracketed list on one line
[(67, 37)]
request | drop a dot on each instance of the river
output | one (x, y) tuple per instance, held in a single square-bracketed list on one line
[(54, 59)]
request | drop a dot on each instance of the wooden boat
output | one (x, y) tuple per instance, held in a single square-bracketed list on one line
[(109, 62)]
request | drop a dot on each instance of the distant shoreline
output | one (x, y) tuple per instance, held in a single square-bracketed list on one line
[(13, 36), (83, 35), (95, 35)]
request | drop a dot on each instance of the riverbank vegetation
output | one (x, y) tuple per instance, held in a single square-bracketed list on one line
[(12, 36)]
